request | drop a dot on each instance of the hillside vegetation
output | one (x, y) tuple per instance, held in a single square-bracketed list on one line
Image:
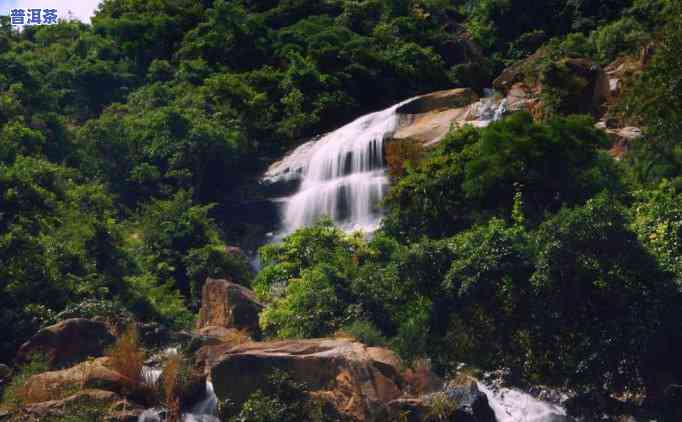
[(520, 245)]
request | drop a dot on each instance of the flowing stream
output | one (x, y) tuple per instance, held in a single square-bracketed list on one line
[(512, 405), (343, 175), (204, 411)]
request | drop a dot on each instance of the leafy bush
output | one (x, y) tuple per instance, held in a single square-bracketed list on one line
[(283, 400), (600, 297), (474, 174), (622, 36), (364, 332), (310, 307)]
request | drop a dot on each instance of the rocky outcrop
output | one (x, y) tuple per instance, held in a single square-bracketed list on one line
[(459, 402), (428, 118), (429, 128), (67, 342), (575, 85), (94, 374), (69, 406), (154, 335), (228, 305), (439, 101), (471, 405), (356, 379)]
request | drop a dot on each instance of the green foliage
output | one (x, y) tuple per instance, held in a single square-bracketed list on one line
[(59, 244), (620, 37), (309, 308), (655, 103), (657, 220), (498, 248), (307, 278), (179, 243), (605, 295), (365, 332), (474, 174), (283, 400), (14, 394)]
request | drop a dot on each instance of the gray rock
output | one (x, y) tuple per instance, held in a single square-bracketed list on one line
[(5, 372), (471, 404)]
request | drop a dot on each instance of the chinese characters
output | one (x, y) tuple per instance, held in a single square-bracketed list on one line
[(33, 16)]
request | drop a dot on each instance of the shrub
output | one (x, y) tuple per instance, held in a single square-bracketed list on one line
[(364, 332), (283, 400), (622, 36), (600, 300), (474, 174), (310, 308), (17, 394), (114, 313), (440, 407)]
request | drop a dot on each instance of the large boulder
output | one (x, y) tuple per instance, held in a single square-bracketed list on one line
[(358, 380), (228, 305), (429, 117), (576, 85), (67, 342), (93, 374), (439, 101)]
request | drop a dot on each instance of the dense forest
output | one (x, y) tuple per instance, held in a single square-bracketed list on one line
[(125, 143)]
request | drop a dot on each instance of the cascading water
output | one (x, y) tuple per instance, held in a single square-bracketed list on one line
[(511, 405), (344, 176), (204, 411)]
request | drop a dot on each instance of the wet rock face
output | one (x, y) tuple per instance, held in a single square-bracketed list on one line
[(68, 342), (439, 101), (471, 404), (358, 381), (228, 305), (427, 119)]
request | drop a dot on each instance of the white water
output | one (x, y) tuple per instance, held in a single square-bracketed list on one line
[(512, 405), (488, 109), (344, 176), (204, 411)]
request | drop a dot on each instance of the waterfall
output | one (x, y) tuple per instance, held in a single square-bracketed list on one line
[(511, 405), (344, 176), (204, 411)]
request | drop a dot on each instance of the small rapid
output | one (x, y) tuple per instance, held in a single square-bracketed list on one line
[(512, 405), (204, 411)]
